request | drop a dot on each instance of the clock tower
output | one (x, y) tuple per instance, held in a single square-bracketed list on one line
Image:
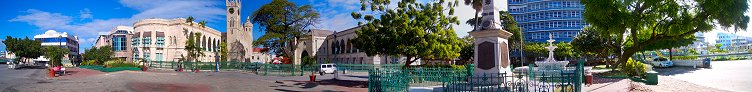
[(239, 37)]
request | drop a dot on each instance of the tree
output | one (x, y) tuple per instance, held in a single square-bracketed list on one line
[(654, 24), (467, 52), (592, 44), (412, 29), (284, 23), (538, 50), (193, 47), (100, 55), (189, 20), (718, 49), (477, 6), (202, 24), (24, 48), (55, 54), (223, 51)]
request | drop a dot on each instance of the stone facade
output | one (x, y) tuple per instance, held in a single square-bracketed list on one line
[(334, 47), (239, 38), (164, 40)]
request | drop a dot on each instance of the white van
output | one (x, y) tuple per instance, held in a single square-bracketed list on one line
[(327, 68)]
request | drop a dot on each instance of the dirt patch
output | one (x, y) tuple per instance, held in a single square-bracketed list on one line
[(166, 87)]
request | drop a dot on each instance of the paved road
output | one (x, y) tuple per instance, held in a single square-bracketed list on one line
[(14, 77), (726, 75)]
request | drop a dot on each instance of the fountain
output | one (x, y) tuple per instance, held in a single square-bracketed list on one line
[(550, 63)]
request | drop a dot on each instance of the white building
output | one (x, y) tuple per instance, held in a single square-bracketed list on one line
[(334, 47), (58, 39)]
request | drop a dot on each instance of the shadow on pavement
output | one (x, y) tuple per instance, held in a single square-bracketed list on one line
[(345, 83), (675, 70), (31, 67), (365, 77)]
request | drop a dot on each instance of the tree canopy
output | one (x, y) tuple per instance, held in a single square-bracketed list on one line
[(24, 48), (99, 54), (193, 47), (639, 25), (284, 23), (55, 54), (412, 29)]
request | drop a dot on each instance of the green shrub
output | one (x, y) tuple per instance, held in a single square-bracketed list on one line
[(120, 63), (634, 68), (90, 63)]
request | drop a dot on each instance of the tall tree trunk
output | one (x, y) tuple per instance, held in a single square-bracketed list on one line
[(477, 21), (671, 54), (408, 62)]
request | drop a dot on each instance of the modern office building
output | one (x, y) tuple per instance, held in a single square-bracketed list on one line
[(733, 42), (64, 40), (539, 18), (119, 38)]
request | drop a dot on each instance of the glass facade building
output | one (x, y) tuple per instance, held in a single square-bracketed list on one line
[(539, 18)]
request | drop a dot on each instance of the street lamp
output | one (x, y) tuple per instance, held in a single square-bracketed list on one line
[(216, 58)]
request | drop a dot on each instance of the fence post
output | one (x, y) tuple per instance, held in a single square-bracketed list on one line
[(266, 69), (580, 72)]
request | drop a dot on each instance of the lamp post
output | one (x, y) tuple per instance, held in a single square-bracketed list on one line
[(216, 58)]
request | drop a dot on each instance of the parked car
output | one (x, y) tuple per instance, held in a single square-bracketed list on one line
[(662, 62), (327, 68)]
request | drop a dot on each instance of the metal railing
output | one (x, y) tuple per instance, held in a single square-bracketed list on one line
[(453, 79)]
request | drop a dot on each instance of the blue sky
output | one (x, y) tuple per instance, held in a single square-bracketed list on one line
[(85, 18)]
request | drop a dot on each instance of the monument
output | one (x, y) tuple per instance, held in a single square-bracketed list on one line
[(491, 43)]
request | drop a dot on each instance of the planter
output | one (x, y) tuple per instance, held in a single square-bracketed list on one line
[(312, 78), (144, 68), (196, 70), (51, 73)]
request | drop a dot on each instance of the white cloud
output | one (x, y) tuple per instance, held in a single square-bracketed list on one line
[(339, 22), (42, 19), (85, 14), (148, 9)]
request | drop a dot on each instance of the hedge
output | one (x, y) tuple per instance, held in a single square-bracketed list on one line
[(115, 69)]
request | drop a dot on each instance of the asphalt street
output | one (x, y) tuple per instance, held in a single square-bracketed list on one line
[(10, 78), (725, 75)]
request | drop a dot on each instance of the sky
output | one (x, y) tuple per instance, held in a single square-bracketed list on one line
[(86, 18)]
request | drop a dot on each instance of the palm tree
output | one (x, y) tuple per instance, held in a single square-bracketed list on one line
[(189, 20), (202, 24), (477, 6)]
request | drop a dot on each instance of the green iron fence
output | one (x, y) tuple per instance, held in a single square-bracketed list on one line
[(462, 80)]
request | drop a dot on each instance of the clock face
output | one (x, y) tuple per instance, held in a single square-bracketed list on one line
[(231, 10), (486, 24)]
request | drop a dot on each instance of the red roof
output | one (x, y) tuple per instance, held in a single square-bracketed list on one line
[(260, 49)]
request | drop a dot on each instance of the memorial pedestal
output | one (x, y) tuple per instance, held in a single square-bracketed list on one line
[(491, 52)]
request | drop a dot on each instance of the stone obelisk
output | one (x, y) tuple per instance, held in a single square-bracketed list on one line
[(491, 43)]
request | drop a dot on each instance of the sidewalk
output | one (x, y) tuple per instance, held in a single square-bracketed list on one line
[(608, 85)]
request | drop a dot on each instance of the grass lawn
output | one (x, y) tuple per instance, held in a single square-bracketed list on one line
[(600, 67), (612, 74)]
